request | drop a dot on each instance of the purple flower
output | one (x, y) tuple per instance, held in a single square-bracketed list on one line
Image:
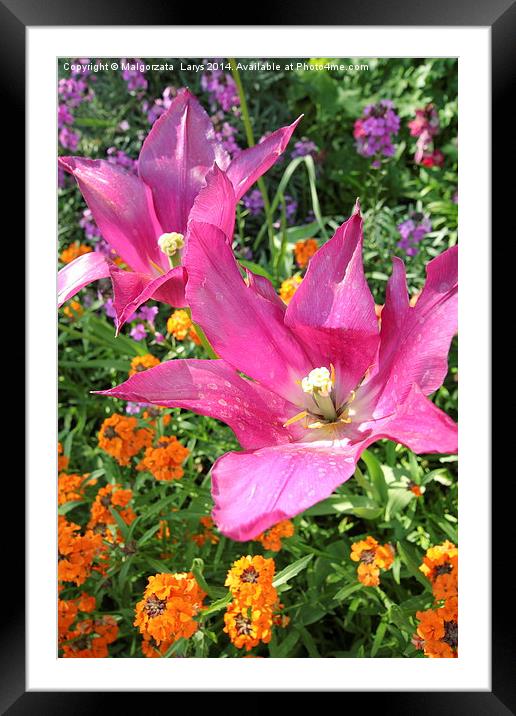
[(221, 87), (303, 148), (412, 231), (91, 230), (109, 308), (148, 313), (133, 74), (121, 159), (159, 106), (68, 139), (133, 408), (64, 116), (159, 337), (375, 129), (253, 202), (139, 332)]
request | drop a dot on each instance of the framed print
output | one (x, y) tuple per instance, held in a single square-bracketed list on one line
[(254, 383)]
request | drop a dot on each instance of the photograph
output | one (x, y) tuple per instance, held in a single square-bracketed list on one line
[(257, 279)]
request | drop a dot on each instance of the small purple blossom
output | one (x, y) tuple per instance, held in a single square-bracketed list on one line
[(374, 131), (68, 139), (133, 408), (148, 313), (133, 75), (425, 126), (253, 202), (159, 105), (159, 337), (412, 231), (138, 332), (119, 157), (221, 87), (87, 223), (303, 148)]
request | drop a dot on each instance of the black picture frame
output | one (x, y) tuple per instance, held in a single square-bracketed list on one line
[(500, 16)]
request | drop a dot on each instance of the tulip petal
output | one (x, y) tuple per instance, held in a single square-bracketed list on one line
[(79, 273), (216, 203), (420, 425), (212, 388), (333, 312), (244, 327), (175, 157), (131, 289), (415, 340), (254, 490), (122, 208), (250, 164)]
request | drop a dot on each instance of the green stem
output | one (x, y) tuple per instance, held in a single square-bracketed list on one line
[(250, 141), (174, 261)]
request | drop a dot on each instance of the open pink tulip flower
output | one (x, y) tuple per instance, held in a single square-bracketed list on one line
[(306, 388), (145, 218)]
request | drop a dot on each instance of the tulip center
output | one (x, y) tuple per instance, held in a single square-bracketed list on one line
[(321, 400), (171, 243)]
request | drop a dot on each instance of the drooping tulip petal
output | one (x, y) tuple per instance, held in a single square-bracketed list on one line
[(250, 164), (415, 340), (213, 388), (79, 273), (132, 289), (175, 157), (255, 490), (333, 309), (420, 425), (122, 208), (242, 326)]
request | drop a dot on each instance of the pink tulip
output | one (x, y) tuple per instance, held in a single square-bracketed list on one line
[(133, 212), (306, 388)]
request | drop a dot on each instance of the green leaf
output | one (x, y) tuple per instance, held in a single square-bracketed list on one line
[(411, 561), (347, 591), (378, 638), (292, 570), (375, 471), (67, 506), (124, 529)]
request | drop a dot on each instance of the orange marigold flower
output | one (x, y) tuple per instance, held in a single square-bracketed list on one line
[(372, 557), (66, 615), (169, 605), (121, 438), (90, 639), (192, 335), (437, 632), (414, 488), (73, 310), (71, 487), (86, 603), (288, 288), (431, 625), (141, 363), (76, 552), (440, 559), (74, 251), (250, 580), (271, 538), (179, 324), (62, 460), (247, 626), (207, 534), (101, 517), (164, 461), (445, 586), (152, 650), (164, 530), (155, 411), (368, 575), (304, 250)]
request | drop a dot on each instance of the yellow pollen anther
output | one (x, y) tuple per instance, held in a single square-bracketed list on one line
[(297, 417), (171, 243), (318, 382)]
